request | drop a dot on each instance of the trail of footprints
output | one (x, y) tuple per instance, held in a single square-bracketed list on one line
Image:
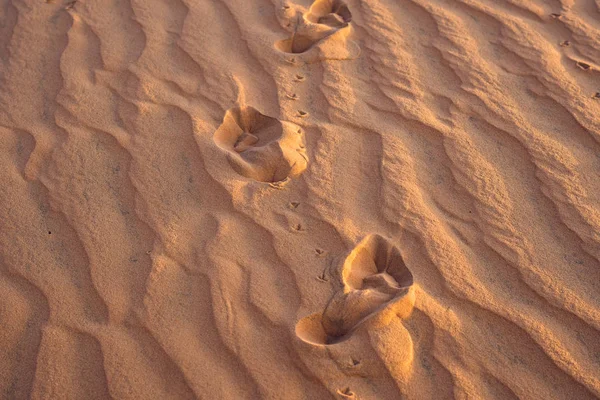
[(266, 149), (373, 275)]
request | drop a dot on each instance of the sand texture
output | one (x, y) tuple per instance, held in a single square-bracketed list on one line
[(266, 199)]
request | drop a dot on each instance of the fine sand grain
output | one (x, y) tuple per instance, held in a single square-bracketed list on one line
[(361, 199)]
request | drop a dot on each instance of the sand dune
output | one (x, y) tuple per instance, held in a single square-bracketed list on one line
[(377, 199)]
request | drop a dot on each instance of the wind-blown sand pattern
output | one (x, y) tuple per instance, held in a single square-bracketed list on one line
[(377, 199)]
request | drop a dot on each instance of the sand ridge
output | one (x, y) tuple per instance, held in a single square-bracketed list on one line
[(378, 199)]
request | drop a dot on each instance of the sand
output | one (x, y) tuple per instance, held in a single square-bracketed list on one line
[(377, 199)]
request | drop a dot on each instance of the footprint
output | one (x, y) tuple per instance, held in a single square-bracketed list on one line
[(260, 147), (374, 277), (325, 19)]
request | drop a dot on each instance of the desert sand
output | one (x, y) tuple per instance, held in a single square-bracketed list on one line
[(375, 199)]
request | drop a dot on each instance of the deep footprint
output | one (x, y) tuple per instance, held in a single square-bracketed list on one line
[(374, 277), (261, 147), (324, 18)]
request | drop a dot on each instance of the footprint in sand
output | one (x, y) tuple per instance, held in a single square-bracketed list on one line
[(374, 277), (326, 19), (260, 147)]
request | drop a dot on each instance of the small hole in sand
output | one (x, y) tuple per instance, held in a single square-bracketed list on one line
[(584, 66), (346, 393), (322, 277)]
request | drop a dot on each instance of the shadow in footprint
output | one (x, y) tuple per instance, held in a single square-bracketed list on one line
[(326, 18), (333, 13), (261, 147), (374, 277)]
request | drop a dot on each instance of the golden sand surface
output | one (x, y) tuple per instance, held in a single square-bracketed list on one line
[(371, 199)]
